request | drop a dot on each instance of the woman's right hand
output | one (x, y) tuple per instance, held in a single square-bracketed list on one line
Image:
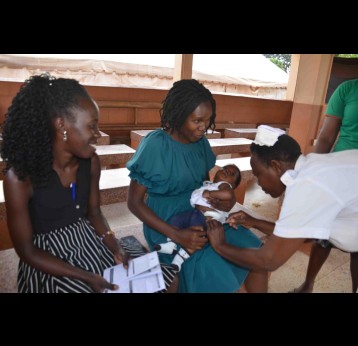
[(99, 284), (193, 238)]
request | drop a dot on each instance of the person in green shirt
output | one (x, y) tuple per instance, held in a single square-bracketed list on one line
[(341, 120)]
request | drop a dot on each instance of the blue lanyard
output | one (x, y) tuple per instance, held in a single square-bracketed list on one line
[(73, 190)]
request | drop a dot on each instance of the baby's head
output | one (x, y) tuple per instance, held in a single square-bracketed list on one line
[(229, 173)]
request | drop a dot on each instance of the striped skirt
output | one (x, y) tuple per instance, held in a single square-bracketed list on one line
[(77, 244)]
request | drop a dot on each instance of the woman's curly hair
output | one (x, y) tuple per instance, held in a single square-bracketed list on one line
[(182, 99), (28, 130)]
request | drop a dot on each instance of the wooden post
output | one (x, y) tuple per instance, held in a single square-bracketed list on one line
[(183, 68), (311, 73)]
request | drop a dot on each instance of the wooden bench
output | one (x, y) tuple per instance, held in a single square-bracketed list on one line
[(232, 125), (280, 126), (222, 146), (243, 163), (248, 133), (218, 145), (138, 135)]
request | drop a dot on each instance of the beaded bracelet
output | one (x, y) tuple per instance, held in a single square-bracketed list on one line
[(105, 234)]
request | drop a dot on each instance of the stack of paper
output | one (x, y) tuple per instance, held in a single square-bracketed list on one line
[(144, 275)]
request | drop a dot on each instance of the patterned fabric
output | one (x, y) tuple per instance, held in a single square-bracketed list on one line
[(76, 244)]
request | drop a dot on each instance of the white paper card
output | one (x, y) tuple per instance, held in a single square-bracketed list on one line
[(144, 275)]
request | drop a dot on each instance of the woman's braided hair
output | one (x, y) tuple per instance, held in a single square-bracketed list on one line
[(182, 99), (28, 130)]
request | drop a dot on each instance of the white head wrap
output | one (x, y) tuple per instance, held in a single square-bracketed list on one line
[(267, 135)]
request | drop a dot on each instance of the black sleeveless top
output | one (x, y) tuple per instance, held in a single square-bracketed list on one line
[(52, 207)]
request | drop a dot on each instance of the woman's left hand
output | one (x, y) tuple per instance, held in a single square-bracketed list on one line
[(215, 233)]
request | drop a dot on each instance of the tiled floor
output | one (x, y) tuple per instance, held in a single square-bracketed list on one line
[(334, 276)]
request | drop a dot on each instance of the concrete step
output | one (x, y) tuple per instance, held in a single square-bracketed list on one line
[(8, 271), (104, 140), (119, 216), (113, 185), (123, 222), (115, 154)]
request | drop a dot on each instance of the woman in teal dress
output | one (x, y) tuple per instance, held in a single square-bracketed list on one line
[(168, 165)]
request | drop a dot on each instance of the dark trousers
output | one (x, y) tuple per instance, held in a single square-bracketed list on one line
[(188, 218)]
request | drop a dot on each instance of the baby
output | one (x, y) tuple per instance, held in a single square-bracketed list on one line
[(225, 181)]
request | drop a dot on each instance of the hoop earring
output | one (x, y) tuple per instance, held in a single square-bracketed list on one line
[(65, 136)]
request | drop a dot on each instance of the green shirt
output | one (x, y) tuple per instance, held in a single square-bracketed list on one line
[(344, 104)]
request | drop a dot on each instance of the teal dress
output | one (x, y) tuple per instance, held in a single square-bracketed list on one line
[(171, 171)]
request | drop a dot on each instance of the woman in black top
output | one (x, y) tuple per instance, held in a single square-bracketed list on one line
[(52, 188)]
